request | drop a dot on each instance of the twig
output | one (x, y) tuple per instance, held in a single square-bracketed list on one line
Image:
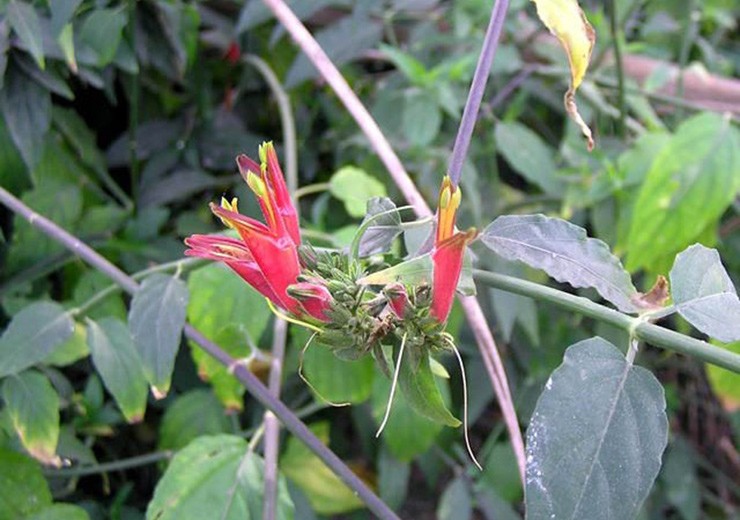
[(617, 46), (477, 88), (253, 385), (108, 467), (643, 330), (382, 147)]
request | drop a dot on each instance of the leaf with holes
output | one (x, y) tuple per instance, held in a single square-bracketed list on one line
[(596, 438), (565, 252), (156, 319), (704, 295)]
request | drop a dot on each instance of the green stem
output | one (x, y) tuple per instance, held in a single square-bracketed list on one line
[(311, 189), (617, 45), (107, 467), (638, 327), (133, 123), (354, 249)]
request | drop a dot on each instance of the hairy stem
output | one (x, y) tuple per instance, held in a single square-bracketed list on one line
[(640, 328), (477, 88), (253, 385), (382, 147)]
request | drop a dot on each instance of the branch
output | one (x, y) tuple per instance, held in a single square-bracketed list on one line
[(653, 334), (253, 385), (382, 147)]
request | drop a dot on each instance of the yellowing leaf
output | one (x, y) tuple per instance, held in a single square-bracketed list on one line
[(565, 19)]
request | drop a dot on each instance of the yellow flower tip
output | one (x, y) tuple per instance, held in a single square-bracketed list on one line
[(265, 148), (450, 197), (257, 185), (232, 205)]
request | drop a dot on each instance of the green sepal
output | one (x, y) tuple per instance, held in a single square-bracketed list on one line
[(422, 393)]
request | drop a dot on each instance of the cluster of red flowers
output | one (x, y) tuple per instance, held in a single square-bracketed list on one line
[(266, 254)]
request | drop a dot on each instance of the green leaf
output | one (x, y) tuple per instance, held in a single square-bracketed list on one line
[(72, 350), (62, 12), (119, 365), (102, 31), (422, 393), (455, 503), (383, 229), (511, 308), (60, 512), (500, 472), (33, 407), (704, 295), (393, 473), (32, 335), (23, 488), (678, 475), (413, 69), (226, 310), (692, 181), (528, 154), (194, 414), (422, 118), (215, 477), (563, 251), (337, 380), (595, 440), (26, 106), (88, 286), (25, 22), (156, 319), (327, 494), (354, 186), (725, 383), (67, 44)]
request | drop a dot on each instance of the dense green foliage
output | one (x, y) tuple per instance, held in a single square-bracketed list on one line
[(120, 122)]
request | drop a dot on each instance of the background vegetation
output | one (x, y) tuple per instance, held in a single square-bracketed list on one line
[(121, 121)]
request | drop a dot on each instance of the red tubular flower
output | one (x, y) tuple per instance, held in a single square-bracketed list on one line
[(449, 249), (266, 255)]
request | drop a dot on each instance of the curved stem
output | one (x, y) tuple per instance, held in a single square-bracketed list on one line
[(477, 88), (108, 467), (310, 189), (253, 385), (641, 329)]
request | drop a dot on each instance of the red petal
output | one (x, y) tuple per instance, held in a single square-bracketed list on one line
[(448, 258), (284, 203)]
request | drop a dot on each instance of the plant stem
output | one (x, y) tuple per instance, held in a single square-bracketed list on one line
[(133, 122), (640, 328), (382, 147), (617, 46), (477, 88), (280, 330), (310, 189), (253, 385), (108, 467)]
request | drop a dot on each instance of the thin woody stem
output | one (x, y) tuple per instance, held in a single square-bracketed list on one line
[(253, 385), (378, 141)]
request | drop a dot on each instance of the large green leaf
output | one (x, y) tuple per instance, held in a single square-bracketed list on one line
[(692, 181), (119, 365), (156, 319), (422, 118), (422, 393), (528, 155), (102, 32), (23, 488), (26, 107), (33, 407), (703, 293), (229, 312), (192, 415), (32, 335), (337, 380), (596, 437), (25, 22), (215, 477), (565, 252), (326, 492), (60, 512), (406, 434), (354, 187)]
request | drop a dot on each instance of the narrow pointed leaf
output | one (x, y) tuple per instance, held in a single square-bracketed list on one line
[(119, 365), (67, 44), (565, 19), (25, 22), (32, 335), (156, 319), (33, 407), (422, 393), (563, 251), (215, 477), (596, 438), (704, 294)]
